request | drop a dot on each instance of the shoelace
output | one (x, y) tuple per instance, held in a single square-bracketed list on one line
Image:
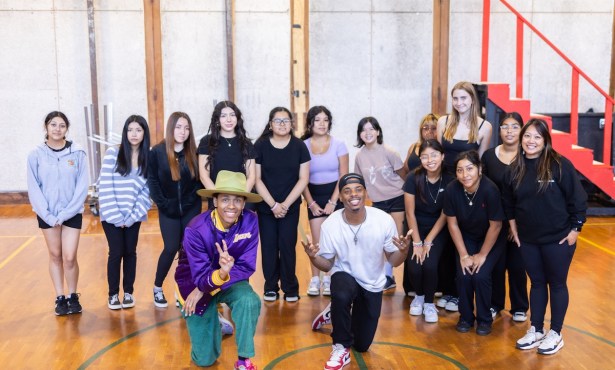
[(430, 309), (337, 354), (159, 295), (115, 299)]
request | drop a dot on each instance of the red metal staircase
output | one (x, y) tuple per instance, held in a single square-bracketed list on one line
[(598, 173)]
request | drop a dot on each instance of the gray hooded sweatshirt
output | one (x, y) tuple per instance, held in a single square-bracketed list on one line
[(57, 182)]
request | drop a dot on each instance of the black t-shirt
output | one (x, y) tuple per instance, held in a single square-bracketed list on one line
[(428, 207), (280, 169), (228, 155), (473, 220), (493, 167)]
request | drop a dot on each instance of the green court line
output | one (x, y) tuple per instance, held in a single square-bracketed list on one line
[(359, 357), (98, 354)]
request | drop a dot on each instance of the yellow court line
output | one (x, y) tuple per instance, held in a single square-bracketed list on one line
[(596, 245), (17, 251)]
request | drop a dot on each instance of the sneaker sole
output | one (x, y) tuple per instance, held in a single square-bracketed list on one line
[(452, 309), (552, 351), (415, 313), (114, 307), (519, 319), (313, 294), (441, 305), (528, 346), (270, 299), (74, 312), (431, 321), (161, 305), (130, 305)]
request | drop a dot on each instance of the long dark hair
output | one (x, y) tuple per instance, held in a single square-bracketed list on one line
[(214, 133), (547, 160), (420, 173), (124, 155), (189, 147), (311, 116), (267, 132), (364, 121)]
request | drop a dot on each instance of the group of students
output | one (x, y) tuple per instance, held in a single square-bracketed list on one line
[(524, 215)]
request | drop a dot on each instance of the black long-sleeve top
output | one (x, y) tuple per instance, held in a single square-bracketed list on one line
[(545, 217), (173, 198)]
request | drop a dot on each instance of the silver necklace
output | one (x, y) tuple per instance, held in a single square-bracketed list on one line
[(437, 191), (228, 142), (473, 196), (356, 238)]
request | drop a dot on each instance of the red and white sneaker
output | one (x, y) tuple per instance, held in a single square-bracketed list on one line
[(323, 318), (339, 358), (245, 365)]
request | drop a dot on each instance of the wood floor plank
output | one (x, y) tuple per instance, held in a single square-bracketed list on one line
[(32, 337)]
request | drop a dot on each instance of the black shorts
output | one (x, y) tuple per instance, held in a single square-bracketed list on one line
[(321, 193), (73, 222), (391, 205)]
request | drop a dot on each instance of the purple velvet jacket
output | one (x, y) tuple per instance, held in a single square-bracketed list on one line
[(199, 257)]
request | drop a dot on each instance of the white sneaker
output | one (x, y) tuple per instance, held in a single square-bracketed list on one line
[(411, 294), (128, 301), (552, 343), (519, 316), (339, 358), (452, 304), (225, 326), (326, 285), (416, 306), (314, 288), (531, 339), (431, 312), (443, 301)]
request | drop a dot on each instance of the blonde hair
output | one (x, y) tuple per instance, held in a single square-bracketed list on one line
[(453, 122)]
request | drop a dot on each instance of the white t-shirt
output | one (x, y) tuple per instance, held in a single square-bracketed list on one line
[(364, 261)]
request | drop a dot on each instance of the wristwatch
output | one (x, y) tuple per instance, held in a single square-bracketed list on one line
[(576, 228)]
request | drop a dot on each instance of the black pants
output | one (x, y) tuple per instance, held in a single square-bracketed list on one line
[(354, 312), (512, 261), (425, 277), (478, 284), (447, 270), (122, 246), (172, 230), (548, 265), (279, 256)]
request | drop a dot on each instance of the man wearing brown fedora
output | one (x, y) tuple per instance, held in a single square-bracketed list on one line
[(216, 261)]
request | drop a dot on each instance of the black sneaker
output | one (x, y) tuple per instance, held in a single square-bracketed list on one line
[(114, 302), (291, 297), (463, 326), (128, 301), (61, 306), (390, 283), (483, 328), (159, 299), (73, 303), (271, 296)]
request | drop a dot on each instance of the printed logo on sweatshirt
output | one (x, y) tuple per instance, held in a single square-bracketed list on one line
[(71, 162), (242, 236)]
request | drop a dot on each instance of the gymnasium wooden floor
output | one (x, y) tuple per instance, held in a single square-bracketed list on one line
[(32, 337)]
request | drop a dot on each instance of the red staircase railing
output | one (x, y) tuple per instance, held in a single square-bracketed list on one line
[(576, 72)]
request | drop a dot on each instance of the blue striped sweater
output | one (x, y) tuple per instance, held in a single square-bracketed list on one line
[(123, 200)]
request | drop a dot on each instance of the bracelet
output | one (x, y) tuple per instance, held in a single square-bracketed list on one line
[(275, 204), (466, 257), (331, 203), (417, 244), (311, 204), (427, 244)]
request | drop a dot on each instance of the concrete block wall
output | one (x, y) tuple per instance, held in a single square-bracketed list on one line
[(367, 57)]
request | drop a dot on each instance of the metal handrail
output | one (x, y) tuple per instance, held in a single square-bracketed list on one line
[(576, 72)]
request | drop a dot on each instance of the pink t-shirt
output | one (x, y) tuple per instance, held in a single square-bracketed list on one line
[(325, 167), (378, 166)]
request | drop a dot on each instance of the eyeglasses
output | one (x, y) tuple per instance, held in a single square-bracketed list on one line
[(279, 121), (426, 157), (510, 127), (429, 128)]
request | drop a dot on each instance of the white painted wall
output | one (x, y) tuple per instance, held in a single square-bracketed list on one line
[(367, 57)]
